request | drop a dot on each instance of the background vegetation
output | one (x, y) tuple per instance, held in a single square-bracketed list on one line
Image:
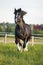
[(8, 27)]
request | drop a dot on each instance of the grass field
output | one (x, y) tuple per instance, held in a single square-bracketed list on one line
[(10, 56)]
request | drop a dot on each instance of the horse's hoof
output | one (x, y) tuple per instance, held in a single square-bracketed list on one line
[(19, 50), (25, 49)]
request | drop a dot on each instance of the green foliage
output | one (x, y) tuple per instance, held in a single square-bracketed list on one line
[(7, 27), (10, 56), (36, 31), (40, 31), (2, 28), (10, 27)]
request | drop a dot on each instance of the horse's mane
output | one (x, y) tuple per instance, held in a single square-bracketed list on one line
[(23, 20)]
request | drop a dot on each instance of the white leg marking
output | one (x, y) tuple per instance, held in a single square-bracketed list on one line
[(19, 47), (26, 48), (21, 41), (27, 44)]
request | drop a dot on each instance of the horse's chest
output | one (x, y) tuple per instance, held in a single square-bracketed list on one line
[(22, 31)]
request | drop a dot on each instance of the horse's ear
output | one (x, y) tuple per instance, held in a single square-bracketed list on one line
[(14, 10), (20, 9), (23, 13)]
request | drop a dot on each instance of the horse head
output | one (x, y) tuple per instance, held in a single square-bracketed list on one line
[(19, 13)]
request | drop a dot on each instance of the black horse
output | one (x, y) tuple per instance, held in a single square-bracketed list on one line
[(22, 30)]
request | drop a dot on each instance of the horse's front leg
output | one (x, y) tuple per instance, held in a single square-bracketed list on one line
[(25, 45), (19, 46)]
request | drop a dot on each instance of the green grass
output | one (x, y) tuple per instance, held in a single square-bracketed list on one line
[(10, 56)]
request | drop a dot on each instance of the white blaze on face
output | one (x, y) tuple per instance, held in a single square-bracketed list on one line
[(16, 17)]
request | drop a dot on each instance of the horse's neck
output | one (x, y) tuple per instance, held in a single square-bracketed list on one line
[(22, 23)]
